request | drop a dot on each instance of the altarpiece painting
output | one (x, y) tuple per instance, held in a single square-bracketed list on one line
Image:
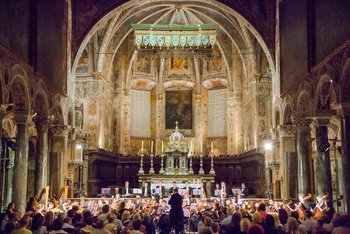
[(178, 107)]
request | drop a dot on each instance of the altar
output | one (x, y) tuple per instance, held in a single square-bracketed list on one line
[(177, 167)]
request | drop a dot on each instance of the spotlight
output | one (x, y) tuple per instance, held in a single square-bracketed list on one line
[(268, 145), (12, 145)]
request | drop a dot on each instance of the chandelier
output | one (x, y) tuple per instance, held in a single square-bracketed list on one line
[(198, 36)]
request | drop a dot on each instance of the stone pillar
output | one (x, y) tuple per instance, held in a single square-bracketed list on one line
[(20, 170), (323, 176), (345, 145), (85, 168), (9, 178), (58, 161), (303, 150), (41, 155), (287, 146)]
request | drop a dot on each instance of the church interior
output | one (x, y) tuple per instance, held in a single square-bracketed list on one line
[(97, 93)]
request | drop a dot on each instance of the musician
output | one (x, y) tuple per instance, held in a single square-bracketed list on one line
[(202, 188), (126, 191), (245, 190), (160, 188), (223, 192), (188, 189), (171, 190), (176, 218), (146, 191), (216, 189)]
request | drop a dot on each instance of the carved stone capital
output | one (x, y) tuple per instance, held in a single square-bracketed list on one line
[(302, 122), (22, 118), (287, 130), (321, 122), (58, 130), (343, 109)]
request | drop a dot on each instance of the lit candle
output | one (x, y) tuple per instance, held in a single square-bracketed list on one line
[(191, 148), (142, 146), (201, 147), (212, 147), (162, 147), (151, 147)]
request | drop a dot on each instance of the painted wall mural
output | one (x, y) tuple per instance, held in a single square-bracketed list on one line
[(178, 108)]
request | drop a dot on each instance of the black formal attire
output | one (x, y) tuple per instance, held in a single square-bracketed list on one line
[(146, 193), (176, 218), (188, 190), (245, 192), (161, 190), (126, 190), (171, 190)]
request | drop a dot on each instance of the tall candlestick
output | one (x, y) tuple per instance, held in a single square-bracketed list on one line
[(212, 147), (142, 146), (162, 147), (191, 148), (151, 147)]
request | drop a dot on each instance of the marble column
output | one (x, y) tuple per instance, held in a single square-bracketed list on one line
[(85, 177), (41, 155), (287, 148), (20, 170), (303, 150), (323, 180), (345, 158)]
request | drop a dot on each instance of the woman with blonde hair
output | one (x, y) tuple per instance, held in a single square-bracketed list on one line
[(245, 225)]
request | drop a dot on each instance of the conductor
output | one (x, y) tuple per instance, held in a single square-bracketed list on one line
[(176, 218)]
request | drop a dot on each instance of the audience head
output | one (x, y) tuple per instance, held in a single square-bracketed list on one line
[(57, 224), (256, 229), (9, 227), (295, 215), (256, 217), (208, 221), (23, 223), (205, 230), (236, 219), (99, 224), (215, 227), (292, 225), (111, 217), (245, 224), (105, 209), (37, 221), (283, 216), (262, 207), (136, 224), (269, 221)]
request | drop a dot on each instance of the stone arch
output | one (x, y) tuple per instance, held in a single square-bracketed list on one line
[(345, 83), (57, 115), (19, 89), (287, 111), (304, 104), (41, 104), (325, 94)]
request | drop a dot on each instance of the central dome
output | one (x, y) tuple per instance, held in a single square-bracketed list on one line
[(177, 135)]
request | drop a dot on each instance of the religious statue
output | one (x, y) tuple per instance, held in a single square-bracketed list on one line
[(179, 63), (214, 63)]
